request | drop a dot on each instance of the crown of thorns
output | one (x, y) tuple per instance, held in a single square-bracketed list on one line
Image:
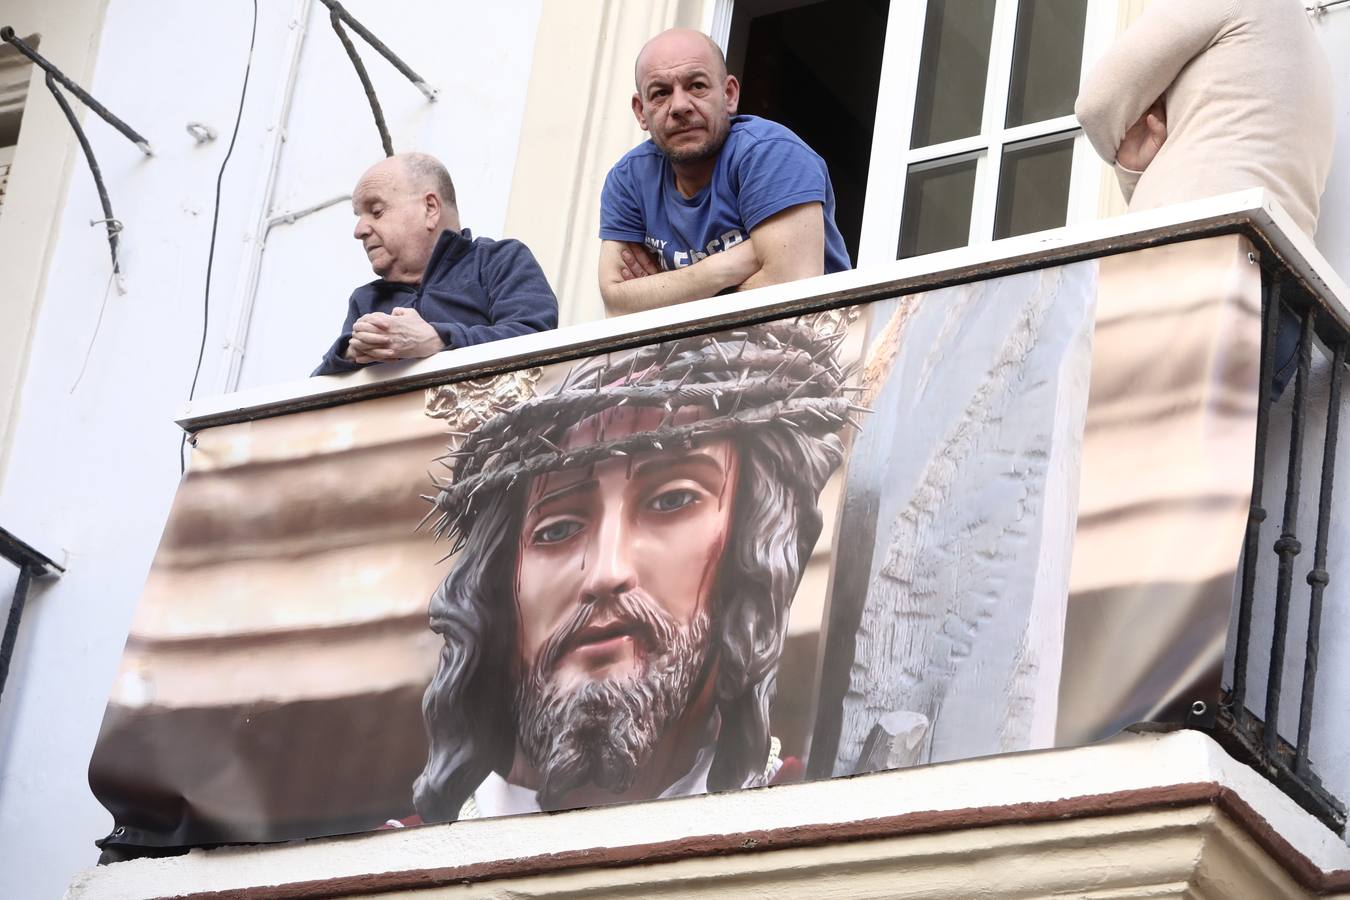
[(783, 373)]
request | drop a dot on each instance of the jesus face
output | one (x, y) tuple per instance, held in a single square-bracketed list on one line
[(617, 564)]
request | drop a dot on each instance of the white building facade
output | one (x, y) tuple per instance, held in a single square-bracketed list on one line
[(532, 108)]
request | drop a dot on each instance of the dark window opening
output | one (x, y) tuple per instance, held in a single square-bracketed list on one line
[(15, 73), (815, 67)]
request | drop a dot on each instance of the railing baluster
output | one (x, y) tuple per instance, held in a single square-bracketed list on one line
[(1270, 315), (1318, 577), (1288, 546)]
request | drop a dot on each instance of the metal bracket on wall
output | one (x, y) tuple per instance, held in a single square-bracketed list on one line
[(54, 77)]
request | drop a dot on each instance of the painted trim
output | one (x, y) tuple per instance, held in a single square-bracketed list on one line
[(1119, 803), (1137, 791)]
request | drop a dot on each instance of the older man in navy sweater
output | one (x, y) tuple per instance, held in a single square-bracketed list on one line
[(439, 286)]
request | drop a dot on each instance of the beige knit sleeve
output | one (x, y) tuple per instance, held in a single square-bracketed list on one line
[(1137, 69), (1128, 179)]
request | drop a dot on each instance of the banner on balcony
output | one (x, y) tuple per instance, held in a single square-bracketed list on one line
[(995, 517)]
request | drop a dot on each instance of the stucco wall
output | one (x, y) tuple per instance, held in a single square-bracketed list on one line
[(93, 459)]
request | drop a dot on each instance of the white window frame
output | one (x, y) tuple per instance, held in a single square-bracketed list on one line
[(892, 157), (891, 153)]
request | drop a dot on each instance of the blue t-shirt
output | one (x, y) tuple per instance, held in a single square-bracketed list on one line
[(762, 169)]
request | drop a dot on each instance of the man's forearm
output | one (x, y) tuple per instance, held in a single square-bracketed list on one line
[(702, 279), (783, 270)]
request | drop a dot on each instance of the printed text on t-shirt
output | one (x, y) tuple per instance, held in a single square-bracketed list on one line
[(680, 258)]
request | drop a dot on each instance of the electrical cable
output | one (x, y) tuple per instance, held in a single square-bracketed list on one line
[(109, 220), (215, 223), (98, 323), (366, 84)]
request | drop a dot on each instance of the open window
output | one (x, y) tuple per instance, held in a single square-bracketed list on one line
[(976, 138), (944, 122)]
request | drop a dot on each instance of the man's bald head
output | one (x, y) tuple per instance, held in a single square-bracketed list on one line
[(425, 173), (402, 204), (685, 99), (679, 44)]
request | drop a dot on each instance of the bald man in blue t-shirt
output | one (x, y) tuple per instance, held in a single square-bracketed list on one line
[(714, 201)]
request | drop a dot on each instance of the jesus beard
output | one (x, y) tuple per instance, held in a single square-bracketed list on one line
[(603, 730)]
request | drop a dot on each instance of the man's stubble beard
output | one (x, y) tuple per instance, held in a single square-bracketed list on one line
[(707, 150), (704, 151), (602, 731)]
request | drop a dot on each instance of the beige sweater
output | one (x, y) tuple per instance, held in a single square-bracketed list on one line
[(1248, 95)]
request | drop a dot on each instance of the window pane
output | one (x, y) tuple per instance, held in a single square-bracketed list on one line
[(1033, 187), (952, 69), (937, 208), (1047, 60)]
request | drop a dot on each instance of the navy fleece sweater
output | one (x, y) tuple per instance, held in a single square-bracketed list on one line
[(474, 290)]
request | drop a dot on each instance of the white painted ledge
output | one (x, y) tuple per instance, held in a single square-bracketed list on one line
[(1103, 780), (1251, 212)]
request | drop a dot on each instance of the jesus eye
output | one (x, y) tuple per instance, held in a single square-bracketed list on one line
[(556, 532), (669, 501)]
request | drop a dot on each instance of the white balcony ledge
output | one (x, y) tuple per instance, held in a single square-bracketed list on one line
[(1139, 816), (1250, 212)]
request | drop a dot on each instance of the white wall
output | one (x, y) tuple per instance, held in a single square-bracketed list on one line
[(1333, 230), (311, 266), (93, 466)]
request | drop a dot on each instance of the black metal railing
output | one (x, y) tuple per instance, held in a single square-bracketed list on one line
[(31, 564), (1293, 321)]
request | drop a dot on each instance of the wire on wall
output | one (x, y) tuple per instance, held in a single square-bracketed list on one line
[(54, 77), (366, 86), (7, 35), (109, 220), (215, 225), (1317, 10), (338, 15)]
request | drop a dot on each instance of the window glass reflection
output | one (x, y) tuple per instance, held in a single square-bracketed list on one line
[(936, 214), (1047, 60), (1033, 187), (952, 70)]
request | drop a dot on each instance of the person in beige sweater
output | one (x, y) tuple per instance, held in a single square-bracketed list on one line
[(1204, 97)]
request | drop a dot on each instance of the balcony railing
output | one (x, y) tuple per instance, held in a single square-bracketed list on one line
[(1297, 321)]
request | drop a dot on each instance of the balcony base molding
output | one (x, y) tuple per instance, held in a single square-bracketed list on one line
[(1229, 835)]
